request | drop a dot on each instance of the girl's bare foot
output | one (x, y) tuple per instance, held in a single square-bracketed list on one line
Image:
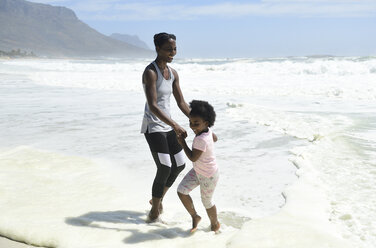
[(195, 220), (215, 227)]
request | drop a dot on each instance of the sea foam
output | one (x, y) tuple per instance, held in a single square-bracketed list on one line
[(72, 157)]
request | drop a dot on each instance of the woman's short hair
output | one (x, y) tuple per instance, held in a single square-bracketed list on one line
[(161, 38)]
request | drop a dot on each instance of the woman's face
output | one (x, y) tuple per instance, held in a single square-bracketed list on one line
[(167, 51)]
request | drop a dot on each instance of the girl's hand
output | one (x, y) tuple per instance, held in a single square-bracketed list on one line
[(180, 139)]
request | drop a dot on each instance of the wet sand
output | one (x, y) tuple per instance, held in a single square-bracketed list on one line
[(7, 243)]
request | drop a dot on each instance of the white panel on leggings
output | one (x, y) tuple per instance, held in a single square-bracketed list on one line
[(180, 158), (165, 159)]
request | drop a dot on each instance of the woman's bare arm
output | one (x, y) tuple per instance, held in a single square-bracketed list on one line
[(149, 80), (184, 107)]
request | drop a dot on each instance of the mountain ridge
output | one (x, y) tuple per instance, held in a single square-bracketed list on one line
[(55, 31), (131, 39)]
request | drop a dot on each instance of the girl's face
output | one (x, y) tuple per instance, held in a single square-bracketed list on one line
[(197, 124), (167, 51)]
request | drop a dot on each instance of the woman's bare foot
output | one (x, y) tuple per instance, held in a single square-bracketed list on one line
[(215, 227), (152, 217), (160, 206), (195, 220)]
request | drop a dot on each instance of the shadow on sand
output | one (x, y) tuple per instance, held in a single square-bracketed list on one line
[(113, 220)]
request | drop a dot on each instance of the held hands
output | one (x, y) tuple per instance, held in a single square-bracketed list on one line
[(181, 134), (181, 140)]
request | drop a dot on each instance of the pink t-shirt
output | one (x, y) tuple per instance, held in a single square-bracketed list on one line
[(205, 164)]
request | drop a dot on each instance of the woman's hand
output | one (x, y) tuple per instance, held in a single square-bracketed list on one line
[(180, 132)]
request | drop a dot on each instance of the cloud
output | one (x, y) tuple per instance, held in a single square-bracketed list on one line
[(186, 10), (317, 1), (53, 2)]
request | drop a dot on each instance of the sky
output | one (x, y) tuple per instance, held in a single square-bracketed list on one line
[(239, 29)]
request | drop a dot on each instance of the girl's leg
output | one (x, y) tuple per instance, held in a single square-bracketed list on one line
[(212, 213), (188, 183), (188, 204), (207, 187)]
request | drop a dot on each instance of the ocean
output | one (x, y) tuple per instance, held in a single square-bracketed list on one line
[(296, 152)]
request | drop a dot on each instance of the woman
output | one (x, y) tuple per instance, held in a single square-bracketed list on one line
[(159, 81)]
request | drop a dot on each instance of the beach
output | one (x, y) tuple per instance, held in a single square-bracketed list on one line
[(4, 242), (296, 153)]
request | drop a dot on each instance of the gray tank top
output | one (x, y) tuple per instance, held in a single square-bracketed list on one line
[(150, 122)]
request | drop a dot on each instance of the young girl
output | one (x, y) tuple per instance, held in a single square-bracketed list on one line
[(205, 171)]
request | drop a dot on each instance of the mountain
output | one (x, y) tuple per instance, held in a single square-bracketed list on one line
[(130, 39), (56, 31)]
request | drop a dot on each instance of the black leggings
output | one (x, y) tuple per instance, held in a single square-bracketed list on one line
[(169, 158)]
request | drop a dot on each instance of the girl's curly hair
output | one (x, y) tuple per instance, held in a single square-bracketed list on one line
[(204, 110)]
